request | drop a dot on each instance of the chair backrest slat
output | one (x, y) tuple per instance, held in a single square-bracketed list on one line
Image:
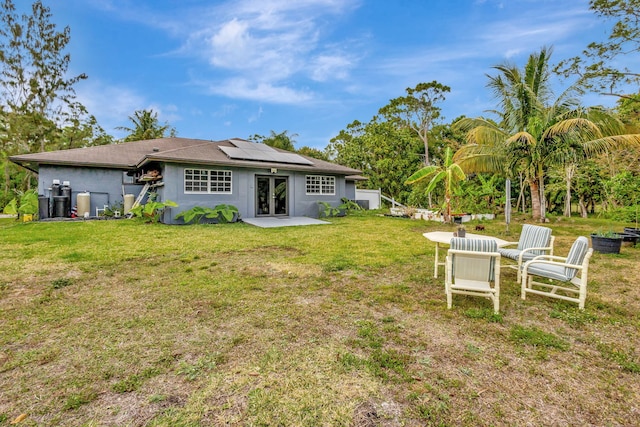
[(576, 255), (534, 236), (473, 267)]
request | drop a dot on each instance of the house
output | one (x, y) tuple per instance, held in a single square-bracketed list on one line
[(259, 180)]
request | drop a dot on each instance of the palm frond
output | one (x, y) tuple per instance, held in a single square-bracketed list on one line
[(422, 174), (608, 143), (523, 138), (467, 123), (577, 127), (608, 123), (486, 135), (480, 159)]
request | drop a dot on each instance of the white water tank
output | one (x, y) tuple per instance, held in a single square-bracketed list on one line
[(84, 204), (128, 202)]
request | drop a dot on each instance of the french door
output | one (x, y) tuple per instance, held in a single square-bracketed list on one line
[(272, 196)]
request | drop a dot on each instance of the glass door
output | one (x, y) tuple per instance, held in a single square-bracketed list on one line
[(272, 196)]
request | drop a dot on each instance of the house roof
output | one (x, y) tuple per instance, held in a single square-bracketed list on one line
[(134, 155)]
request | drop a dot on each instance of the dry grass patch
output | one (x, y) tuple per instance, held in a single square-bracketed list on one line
[(119, 323)]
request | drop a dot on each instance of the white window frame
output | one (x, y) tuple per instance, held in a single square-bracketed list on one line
[(320, 185), (128, 179), (217, 181)]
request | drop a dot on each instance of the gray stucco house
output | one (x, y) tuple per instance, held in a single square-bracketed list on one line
[(259, 180)]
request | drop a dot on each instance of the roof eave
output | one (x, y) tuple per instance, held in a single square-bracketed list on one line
[(25, 162), (248, 164)]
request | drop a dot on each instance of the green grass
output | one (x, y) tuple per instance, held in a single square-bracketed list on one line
[(124, 323), (537, 338)]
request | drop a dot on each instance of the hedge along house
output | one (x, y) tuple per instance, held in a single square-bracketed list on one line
[(259, 180)]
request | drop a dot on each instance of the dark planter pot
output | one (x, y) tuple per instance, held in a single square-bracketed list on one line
[(630, 230), (606, 245), (630, 238)]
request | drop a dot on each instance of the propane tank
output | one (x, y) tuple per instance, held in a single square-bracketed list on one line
[(84, 204), (129, 199), (54, 192), (55, 188), (65, 191)]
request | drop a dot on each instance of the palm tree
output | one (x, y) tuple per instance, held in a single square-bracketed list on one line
[(282, 140), (533, 133), (146, 126), (451, 173)]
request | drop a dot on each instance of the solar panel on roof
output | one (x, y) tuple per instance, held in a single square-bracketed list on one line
[(250, 145), (293, 158), (244, 150)]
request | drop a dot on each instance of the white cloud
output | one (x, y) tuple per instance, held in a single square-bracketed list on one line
[(111, 104), (268, 43), (225, 110), (262, 91), (166, 113), (255, 117), (528, 33), (330, 67), (512, 52)]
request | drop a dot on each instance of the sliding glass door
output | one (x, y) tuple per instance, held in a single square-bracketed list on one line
[(272, 196)]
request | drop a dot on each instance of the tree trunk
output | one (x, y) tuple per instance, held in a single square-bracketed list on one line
[(569, 172), (425, 140), (583, 207), (567, 200), (7, 176), (447, 213), (543, 200), (535, 199), (424, 136), (521, 196)]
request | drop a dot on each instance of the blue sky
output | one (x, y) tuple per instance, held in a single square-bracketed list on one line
[(223, 69)]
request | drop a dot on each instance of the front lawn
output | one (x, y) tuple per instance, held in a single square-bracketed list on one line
[(125, 323)]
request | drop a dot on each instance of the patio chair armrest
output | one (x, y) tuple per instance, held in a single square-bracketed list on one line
[(546, 248), (508, 244), (549, 262), (548, 257)]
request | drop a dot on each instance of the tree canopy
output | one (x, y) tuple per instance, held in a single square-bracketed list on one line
[(417, 110), (596, 66), (535, 133), (38, 108), (145, 125), (282, 140), (374, 148)]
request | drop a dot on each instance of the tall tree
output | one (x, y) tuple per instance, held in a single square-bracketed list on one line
[(373, 148), (418, 110), (146, 126), (81, 130), (596, 66), (37, 94), (532, 131), (34, 66)]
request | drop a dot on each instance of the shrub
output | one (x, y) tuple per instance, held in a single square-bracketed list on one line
[(222, 213), (152, 210)]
